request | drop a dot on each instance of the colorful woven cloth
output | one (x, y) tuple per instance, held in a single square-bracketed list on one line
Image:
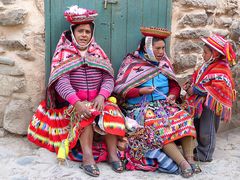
[(169, 122), (67, 57), (50, 127), (135, 70), (216, 80)]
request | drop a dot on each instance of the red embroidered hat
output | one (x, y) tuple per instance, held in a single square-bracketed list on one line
[(77, 15), (221, 45), (155, 32)]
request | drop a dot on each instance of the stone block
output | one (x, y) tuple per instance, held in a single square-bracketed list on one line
[(12, 17), (2, 7), (235, 30), (187, 46), (2, 132), (10, 84), (184, 62), (192, 33), (208, 4), (223, 21), (3, 103), (6, 61), (17, 117), (11, 70), (221, 32), (197, 19), (7, 2), (14, 44), (26, 55)]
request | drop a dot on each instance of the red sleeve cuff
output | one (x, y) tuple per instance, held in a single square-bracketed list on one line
[(174, 88), (134, 92)]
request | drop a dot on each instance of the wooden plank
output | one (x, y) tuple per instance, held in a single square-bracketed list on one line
[(150, 13), (134, 22), (103, 27), (118, 33), (165, 8), (162, 12)]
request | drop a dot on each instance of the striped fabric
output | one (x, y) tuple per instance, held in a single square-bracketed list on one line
[(152, 161), (85, 79)]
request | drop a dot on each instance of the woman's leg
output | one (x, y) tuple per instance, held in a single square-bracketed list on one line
[(187, 146), (86, 140), (173, 152), (111, 141)]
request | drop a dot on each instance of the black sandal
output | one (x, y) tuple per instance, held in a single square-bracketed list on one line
[(196, 168), (91, 170), (117, 166)]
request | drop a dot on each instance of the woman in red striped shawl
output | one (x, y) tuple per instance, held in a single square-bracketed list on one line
[(148, 86), (210, 93), (80, 83)]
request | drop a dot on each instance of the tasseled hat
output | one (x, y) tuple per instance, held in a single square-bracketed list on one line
[(77, 15), (221, 45)]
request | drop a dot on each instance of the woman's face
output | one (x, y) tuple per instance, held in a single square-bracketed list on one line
[(207, 53), (83, 34), (159, 49)]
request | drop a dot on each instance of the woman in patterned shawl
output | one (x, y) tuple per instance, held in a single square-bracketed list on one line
[(80, 83), (210, 93), (147, 84)]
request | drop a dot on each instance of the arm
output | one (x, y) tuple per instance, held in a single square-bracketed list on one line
[(174, 88), (65, 89), (134, 92), (105, 91), (107, 85)]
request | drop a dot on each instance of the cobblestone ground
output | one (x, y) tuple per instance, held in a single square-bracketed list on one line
[(20, 160)]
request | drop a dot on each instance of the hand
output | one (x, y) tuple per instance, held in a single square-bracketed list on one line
[(146, 90), (186, 85), (82, 110), (98, 103), (171, 99), (190, 91)]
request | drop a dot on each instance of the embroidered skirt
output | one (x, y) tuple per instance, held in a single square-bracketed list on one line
[(170, 121), (50, 127)]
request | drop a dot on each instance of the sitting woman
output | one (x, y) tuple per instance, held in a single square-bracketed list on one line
[(147, 84), (210, 93), (80, 83)]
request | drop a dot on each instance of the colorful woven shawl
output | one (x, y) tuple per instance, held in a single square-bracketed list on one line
[(135, 70), (67, 57), (216, 80)]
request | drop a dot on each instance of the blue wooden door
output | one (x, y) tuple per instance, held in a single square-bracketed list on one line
[(117, 25)]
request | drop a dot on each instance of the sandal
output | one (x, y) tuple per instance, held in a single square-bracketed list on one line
[(91, 170), (196, 168), (117, 166), (187, 173)]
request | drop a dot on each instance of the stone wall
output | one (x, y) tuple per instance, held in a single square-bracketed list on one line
[(22, 68), (192, 19), (21, 62)]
